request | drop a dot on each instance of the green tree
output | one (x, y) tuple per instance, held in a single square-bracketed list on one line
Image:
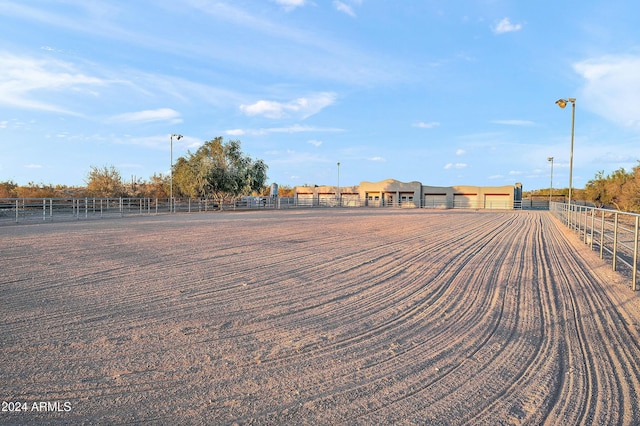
[(219, 171), (157, 187), (186, 181), (595, 190), (620, 189), (613, 188), (105, 182), (630, 191)]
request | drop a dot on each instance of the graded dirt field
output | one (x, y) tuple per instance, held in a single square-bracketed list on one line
[(327, 316)]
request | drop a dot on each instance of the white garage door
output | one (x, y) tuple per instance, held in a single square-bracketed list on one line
[(465, 201), (305, 199), (435, 201), (497, 201)]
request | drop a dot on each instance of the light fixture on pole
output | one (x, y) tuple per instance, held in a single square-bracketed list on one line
[(551, 185), (338, 191), (563, 103), (178, 137)]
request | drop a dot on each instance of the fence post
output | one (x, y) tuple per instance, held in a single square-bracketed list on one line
[(593, 224), (635, 257), (615, 241), (602, 236), (579, 219), (585, 224), (44, 209)]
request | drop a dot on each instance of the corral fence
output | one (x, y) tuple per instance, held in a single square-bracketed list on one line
[(33, 210), (22, 210), (612, 233)]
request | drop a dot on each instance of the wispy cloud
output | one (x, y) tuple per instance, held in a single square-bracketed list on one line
[(291, 129), (50, 49), (290, 4), (505, 26), (424, 125), (310, 52), (300, 108), (460, 152), (449, 166), (612, 88), (25, 81), (344, 8), (235, 132), (315, 143), (377, 159), (161, 114)]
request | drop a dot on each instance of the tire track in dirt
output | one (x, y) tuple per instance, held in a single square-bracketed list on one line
[(472, 354), (373, 306), (477, 349), (528, 398), (587, 343)]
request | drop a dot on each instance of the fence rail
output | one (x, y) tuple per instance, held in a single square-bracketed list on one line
[(612, 233), (21, 210)]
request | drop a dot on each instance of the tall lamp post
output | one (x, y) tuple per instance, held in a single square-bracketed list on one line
[(563, 103), (551, 184), (338, 192), (178, 137)]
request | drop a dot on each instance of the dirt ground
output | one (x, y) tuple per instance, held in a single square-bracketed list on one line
[(326, 316)]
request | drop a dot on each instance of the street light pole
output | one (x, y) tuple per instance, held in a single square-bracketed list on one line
[(551, 184), (338, 192), (563, 103), (178, 137)]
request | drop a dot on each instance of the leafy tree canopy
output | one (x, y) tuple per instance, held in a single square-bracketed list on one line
[(220, 171), (620, 189), (105, 182)]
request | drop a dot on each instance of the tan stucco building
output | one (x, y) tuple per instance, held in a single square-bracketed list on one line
[(393, 193)]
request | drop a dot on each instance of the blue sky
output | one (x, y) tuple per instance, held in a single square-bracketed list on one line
[(441, 92)]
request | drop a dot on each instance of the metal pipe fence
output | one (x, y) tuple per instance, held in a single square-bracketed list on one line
[(612, 233), (23, 210), (50, 209)]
